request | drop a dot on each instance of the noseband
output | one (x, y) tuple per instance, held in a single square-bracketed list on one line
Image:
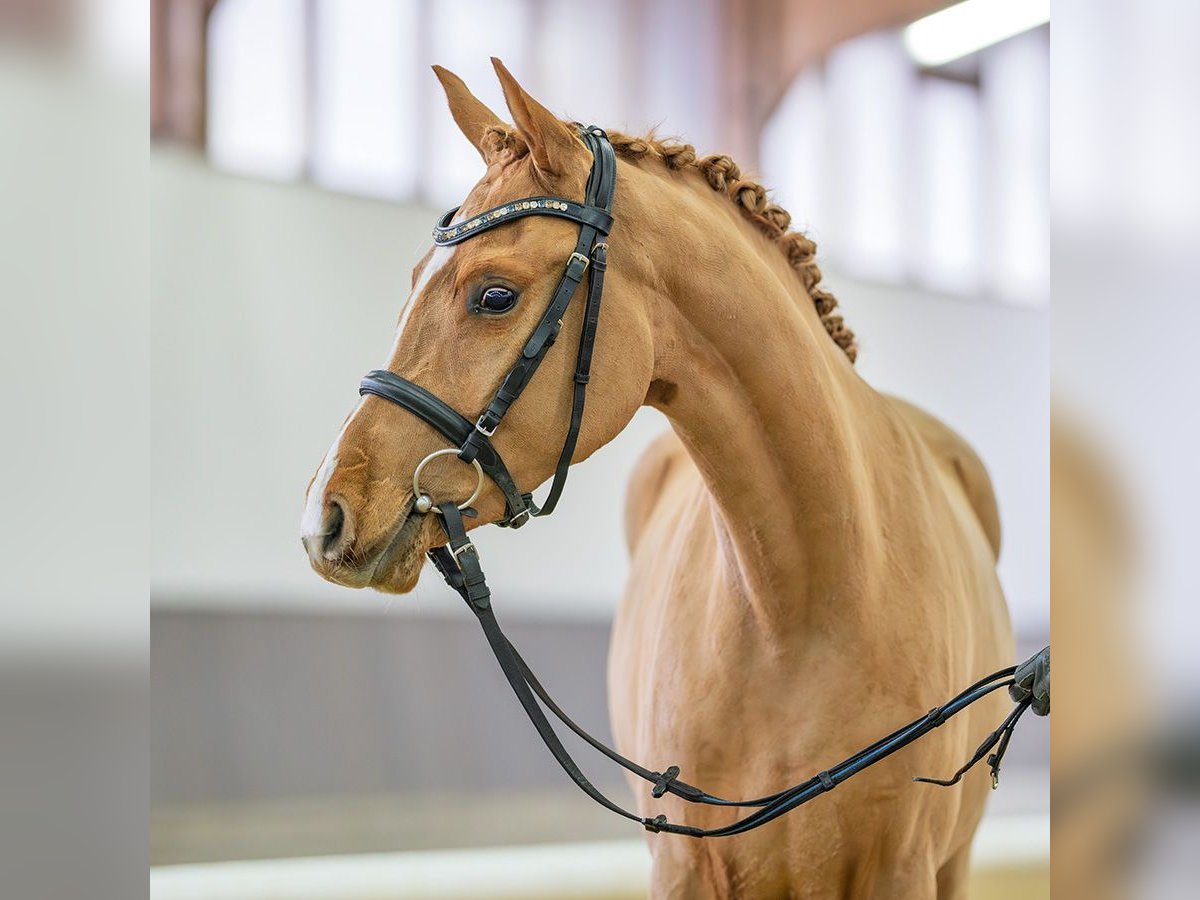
[(458, 561)]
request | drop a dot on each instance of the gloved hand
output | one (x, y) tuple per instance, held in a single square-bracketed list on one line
[(1033, 680)]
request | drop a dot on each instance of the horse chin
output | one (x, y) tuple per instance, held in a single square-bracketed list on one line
[(397, 568), (400, 579)]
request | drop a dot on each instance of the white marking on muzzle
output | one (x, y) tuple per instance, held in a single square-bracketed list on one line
[(314, 506)]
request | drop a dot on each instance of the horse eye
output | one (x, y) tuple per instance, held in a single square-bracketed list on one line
[(497, 299)]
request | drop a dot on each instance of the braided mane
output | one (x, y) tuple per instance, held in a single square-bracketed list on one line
[(725, 176)]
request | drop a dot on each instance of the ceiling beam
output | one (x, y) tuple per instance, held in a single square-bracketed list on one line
[(179, 70), (768, 43)]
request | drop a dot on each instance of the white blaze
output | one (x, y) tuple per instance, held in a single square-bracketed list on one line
[(438, 259), (314, 507)]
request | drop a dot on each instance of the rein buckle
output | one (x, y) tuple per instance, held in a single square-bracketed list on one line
[(662, 782), (655, 825)]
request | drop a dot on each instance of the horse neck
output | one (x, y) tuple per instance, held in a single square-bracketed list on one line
[(770, 410)]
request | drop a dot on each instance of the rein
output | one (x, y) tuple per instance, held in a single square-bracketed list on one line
[(458, 560)]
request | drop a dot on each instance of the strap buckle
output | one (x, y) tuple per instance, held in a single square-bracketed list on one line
[(577, 259), (479, 426), (519, 519), (463, 549)]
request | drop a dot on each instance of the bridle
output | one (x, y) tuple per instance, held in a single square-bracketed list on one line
[(458, 560), (590, 255)]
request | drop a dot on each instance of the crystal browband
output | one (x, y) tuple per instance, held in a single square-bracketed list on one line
[(446, 234)]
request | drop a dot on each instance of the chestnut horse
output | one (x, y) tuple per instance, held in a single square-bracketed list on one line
[(813, 563)]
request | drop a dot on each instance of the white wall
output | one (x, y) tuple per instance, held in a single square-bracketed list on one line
[(270, 301)]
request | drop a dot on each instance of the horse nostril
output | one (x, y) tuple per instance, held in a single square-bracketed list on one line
[(337, 529)]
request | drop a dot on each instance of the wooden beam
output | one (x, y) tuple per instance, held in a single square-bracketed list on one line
[(179, 70), (769, 42)]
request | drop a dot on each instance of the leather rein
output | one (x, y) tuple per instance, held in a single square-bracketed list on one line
[(458, 560)]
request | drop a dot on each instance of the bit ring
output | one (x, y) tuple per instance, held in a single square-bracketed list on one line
[(419, 495)]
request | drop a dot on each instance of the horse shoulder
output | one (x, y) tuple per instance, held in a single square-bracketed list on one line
[(648, 483), (953, 452)]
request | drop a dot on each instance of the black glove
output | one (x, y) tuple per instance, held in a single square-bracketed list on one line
[(1033, 680)]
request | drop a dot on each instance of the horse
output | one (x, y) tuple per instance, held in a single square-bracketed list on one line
[(812, 561)]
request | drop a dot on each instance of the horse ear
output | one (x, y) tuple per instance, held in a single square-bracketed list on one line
[(470, 114), (551, 143)]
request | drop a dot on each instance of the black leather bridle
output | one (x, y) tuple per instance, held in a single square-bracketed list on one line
[(590, 255), (458, 561)]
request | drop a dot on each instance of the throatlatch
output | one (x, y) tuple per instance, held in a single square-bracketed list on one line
[(458, 560)]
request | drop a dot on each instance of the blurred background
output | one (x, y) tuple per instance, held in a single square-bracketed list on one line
[(300, 731), (300, 151)]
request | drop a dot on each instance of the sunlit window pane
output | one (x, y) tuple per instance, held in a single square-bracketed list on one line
[(944, 252), (870, 83), (1017, 98), (794, 148), (672, 87), (256, 118), (365, 96), (465, 34), (570, 89), (937, 179)]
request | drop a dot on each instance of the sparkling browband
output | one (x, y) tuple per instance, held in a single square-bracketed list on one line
[(445, 234)]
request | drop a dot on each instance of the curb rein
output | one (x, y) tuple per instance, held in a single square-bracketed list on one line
[(458, 560)]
